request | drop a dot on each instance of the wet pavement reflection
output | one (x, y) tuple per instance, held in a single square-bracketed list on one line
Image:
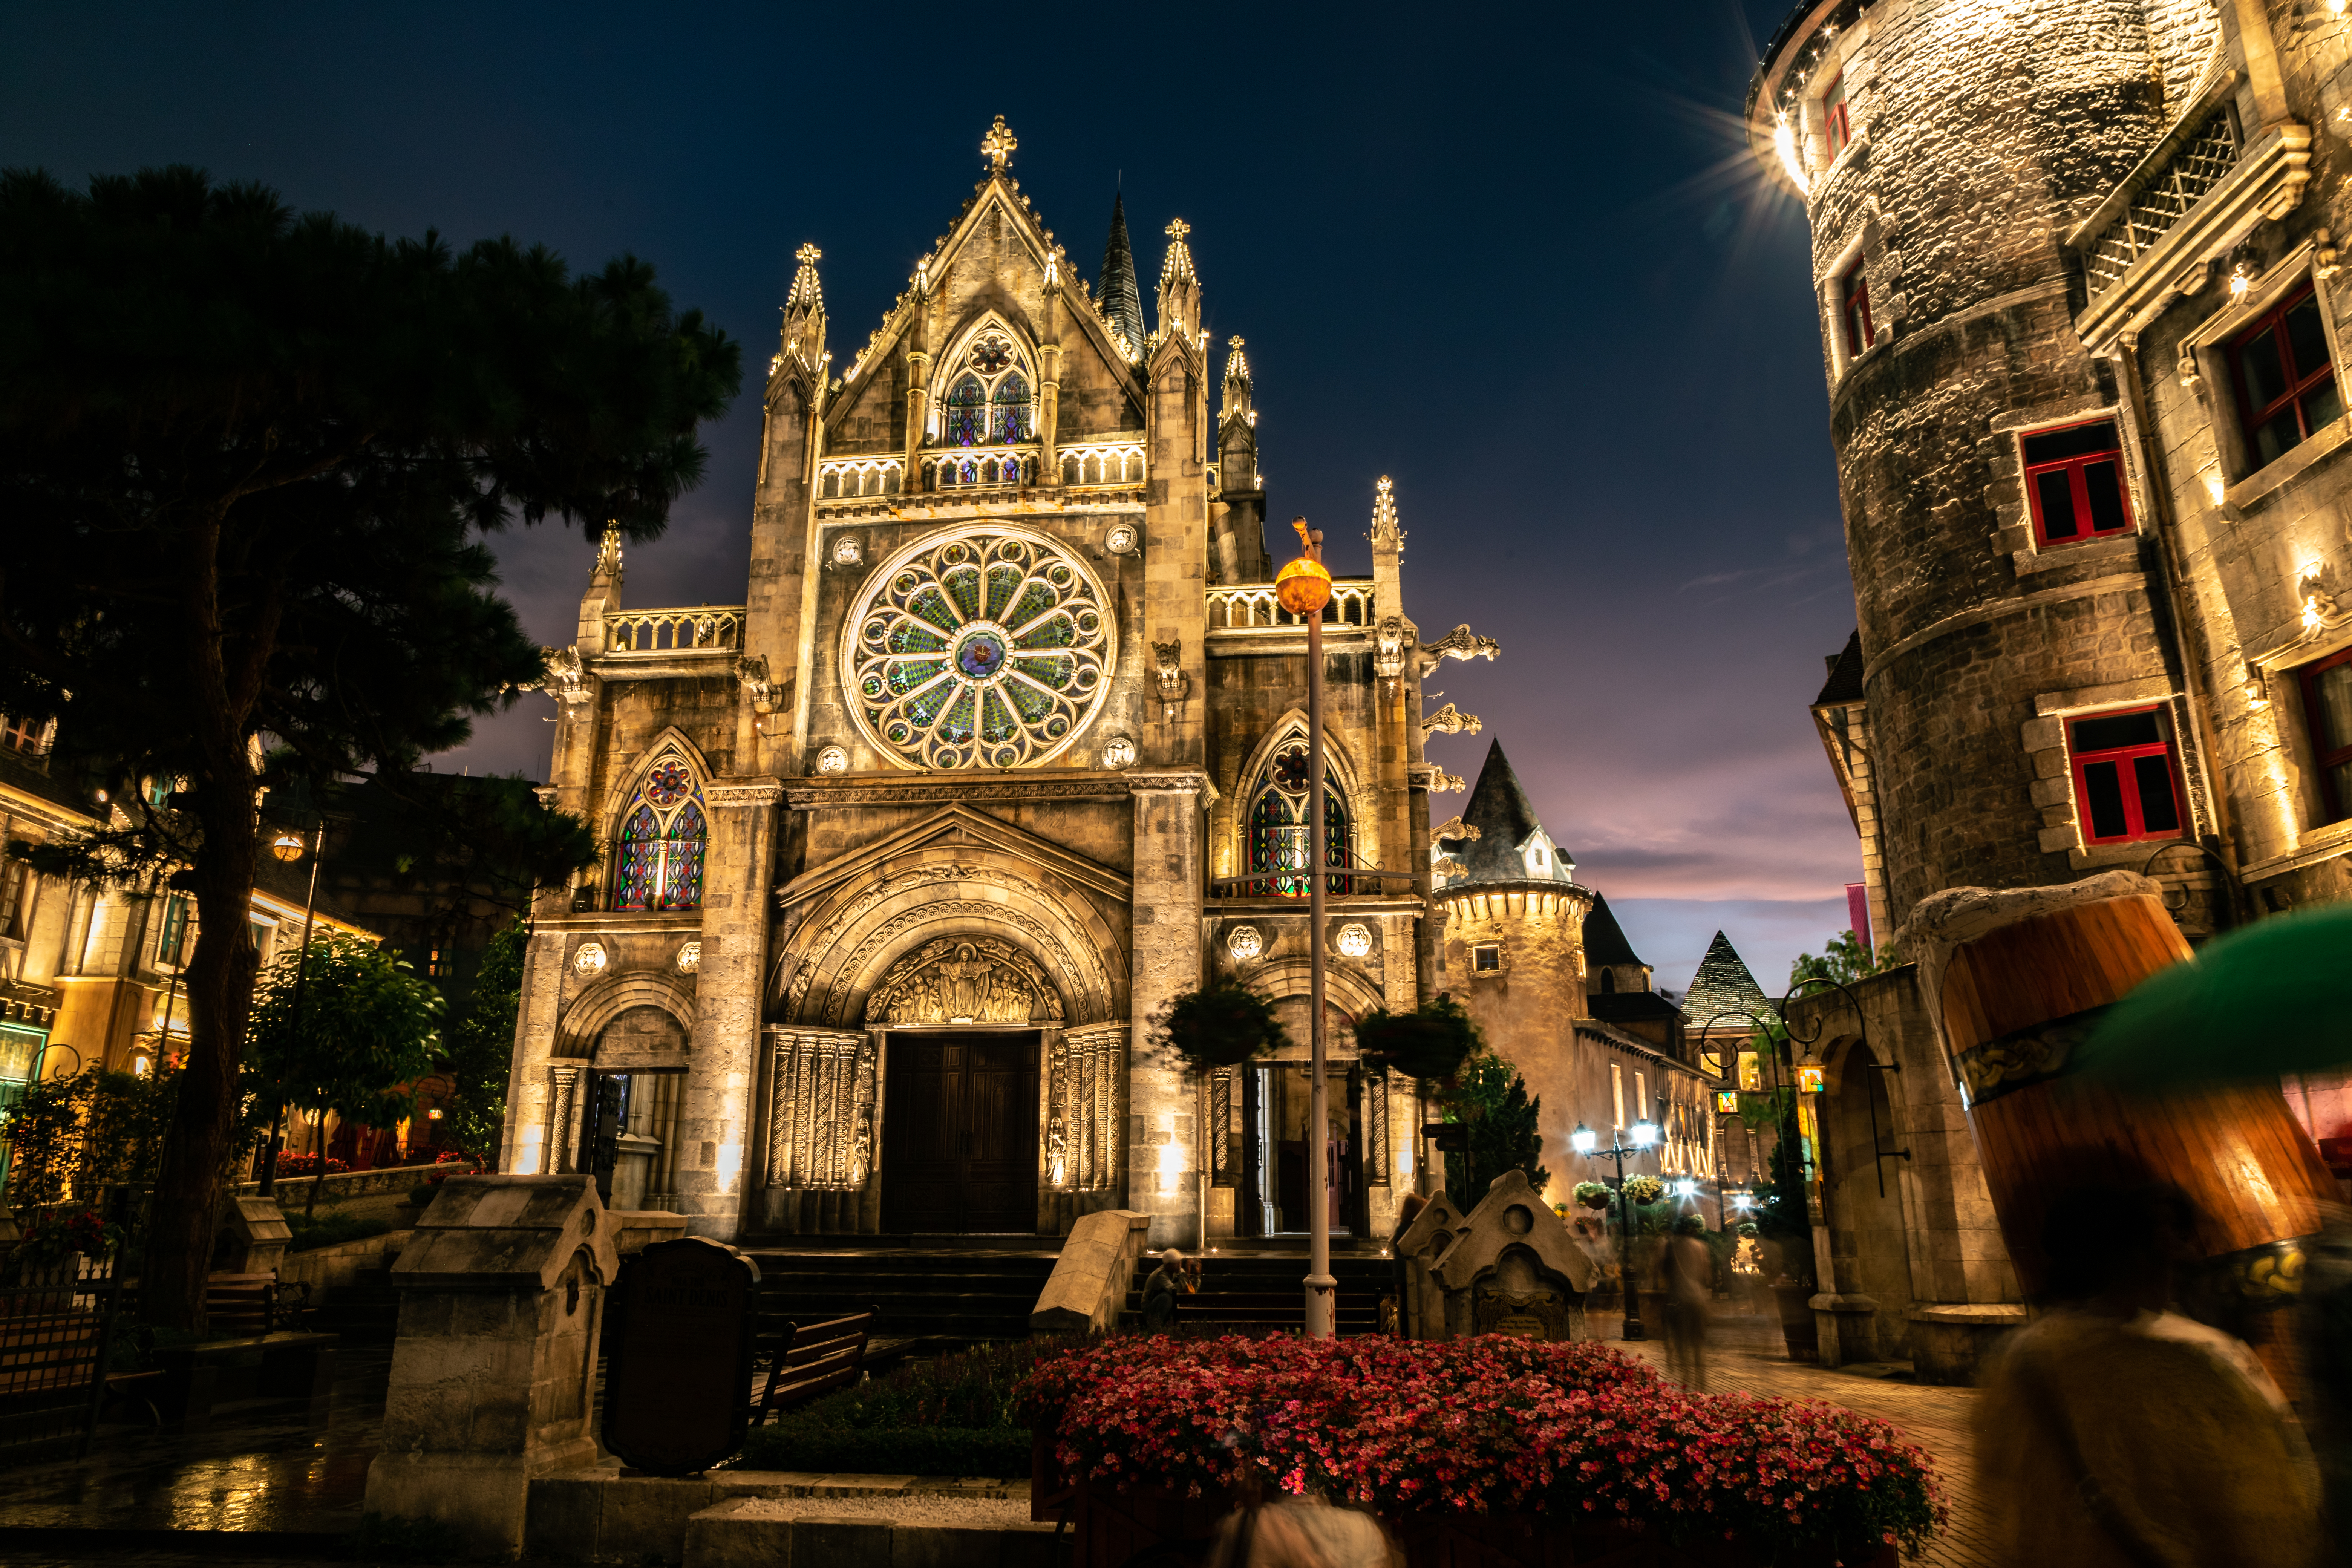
[(263, 1468)]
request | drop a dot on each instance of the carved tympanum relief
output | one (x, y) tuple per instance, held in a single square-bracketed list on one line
[(964, 980)]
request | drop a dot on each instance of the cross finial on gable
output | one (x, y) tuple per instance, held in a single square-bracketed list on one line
[(806, 254), (998, 144), (1178, 230)]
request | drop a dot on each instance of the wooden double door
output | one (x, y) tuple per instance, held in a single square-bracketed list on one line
[(960, 1131)]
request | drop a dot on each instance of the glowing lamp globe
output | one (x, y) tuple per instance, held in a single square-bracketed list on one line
[(287, 846), (1645, 1133), (1303, 587), (1582, 1140)]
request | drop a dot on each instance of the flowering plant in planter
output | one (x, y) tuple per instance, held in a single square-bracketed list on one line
[(1572, 1431), (1644, 1189), (56, 1235), (1430, 1043), (1593, 1194), (1222, 1025)]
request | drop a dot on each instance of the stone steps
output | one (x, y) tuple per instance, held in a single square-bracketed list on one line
[(971, 1294), (1266, 1292)]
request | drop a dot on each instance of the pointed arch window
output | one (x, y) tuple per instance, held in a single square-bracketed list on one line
[(1011, 422), (966, 422), (1281, 827), (657, 864)]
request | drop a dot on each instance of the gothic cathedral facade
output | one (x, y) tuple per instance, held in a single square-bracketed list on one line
[(1004, 749)]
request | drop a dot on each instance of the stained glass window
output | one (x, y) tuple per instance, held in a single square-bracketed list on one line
[(1012, 420), (966, 424), (1279, 831), (657, 864)]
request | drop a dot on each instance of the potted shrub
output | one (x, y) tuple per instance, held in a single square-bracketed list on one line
[(1593, 1194), (1222, 1025), (1430, 1043)]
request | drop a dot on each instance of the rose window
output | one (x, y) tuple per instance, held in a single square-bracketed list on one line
[(987, 649)]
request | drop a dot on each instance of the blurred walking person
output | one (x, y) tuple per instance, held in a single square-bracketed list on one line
[(1686, 1275), (2115, 1432)]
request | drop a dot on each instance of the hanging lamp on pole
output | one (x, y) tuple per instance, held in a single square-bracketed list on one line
[(1303, 588)]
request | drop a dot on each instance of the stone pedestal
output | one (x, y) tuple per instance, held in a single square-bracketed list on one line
[(633, 1165), (1089, 1285), (252, 1238), (1514, 1268), (1950, 1341), (501, 1295), (1421, 1304), (1848, 1328)]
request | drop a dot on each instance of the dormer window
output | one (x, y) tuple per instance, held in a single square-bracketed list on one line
[(1837, 119)]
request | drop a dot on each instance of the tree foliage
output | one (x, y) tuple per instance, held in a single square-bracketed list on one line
[(1430, 1043), (246, 458), (69, 1138), (363, 1031), (463, 838), (1222, 1025), (481, 1047), (1491, 1100), (1844, 961)]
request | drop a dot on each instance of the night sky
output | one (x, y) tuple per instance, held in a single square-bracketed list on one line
[(1520, 262)]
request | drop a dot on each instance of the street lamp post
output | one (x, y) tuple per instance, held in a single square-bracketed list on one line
[(288, 846), (1303, 588), (1645, 1134)]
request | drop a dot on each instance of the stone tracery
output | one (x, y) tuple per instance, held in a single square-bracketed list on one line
[(990, 648)]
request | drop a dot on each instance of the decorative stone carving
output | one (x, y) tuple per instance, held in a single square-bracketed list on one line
[(1174, 684), (833, 759), (751, 674), (1442, 783), (590, 958), (1354, 941), (965, 980), (1453, 827), (562, 1107), (848, 552), (1244, 943), (1121, 539), (1456, 644), (820, 1108), (1118, 751), (1450, 720), (564, 677), (1085, 1070), (1389, 641), (689, 958), (983, 648)]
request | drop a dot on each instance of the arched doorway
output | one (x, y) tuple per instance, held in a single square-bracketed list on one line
[(1862, 1168)]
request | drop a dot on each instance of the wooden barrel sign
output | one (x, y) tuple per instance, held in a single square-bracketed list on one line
[(2017, 1000), (678, 1383)]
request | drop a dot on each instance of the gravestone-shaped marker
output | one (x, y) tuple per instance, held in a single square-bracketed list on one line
[(678, 1382)]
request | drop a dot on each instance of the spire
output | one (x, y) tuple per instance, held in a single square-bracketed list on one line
[(1509, 844), (608, 558), (1179, 286), (1723, 984), (1121, 300), (1386, 534), (1237, 383), (804, 333)]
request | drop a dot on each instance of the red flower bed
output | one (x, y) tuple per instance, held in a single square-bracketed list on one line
[(1489, 1424), (307, 1165)]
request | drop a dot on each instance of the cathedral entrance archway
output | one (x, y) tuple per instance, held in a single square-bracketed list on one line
[(960, 1131)]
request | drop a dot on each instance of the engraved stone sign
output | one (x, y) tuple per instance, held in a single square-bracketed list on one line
[(677, 1385)]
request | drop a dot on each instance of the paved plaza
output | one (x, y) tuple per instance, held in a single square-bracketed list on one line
[(262, 1489)]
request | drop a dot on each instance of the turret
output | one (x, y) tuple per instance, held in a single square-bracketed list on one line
[(1239, 527), (1179, 287), (603, 594)]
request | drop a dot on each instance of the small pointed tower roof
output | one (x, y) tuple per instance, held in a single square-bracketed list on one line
[(1179, 286), (1121, 301), (1605, 946), (803, 336), (1723, 984), (1510, 845)]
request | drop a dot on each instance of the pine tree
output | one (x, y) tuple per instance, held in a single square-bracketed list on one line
[(1499, 1118)]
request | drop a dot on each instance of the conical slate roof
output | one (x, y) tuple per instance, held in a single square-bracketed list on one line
[(1506, 821), (1605, 946), (1844, 687), (1121, 301), (1724, 985)]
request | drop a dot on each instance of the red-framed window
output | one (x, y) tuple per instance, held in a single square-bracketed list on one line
[(2286, 386), (2074, 482), (1837, 119), (2125, 783), (2328, 703), (1853, 305)]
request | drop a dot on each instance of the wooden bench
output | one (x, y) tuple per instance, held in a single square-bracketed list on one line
[(240, 1303), (806, 1360), (52, 1364)]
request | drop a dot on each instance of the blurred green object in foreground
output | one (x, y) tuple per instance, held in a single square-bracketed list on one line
[(2275, 997)]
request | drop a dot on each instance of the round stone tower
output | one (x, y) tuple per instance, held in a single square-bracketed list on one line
[(1944, 151), (1514, 925)]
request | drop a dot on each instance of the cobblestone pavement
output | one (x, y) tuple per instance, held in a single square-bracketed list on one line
[(1746, 1353)]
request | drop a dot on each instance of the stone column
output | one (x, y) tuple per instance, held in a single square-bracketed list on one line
[(562, 1118), (1163, 1135), (525, 1139), (714, 1127)]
